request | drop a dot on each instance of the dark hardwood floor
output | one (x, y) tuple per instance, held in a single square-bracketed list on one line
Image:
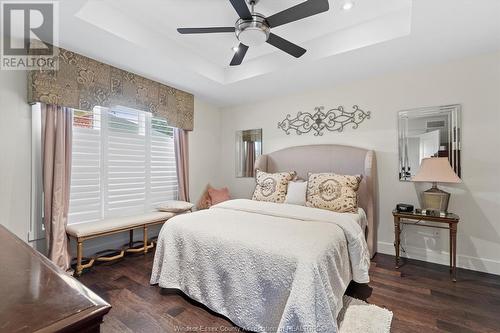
[(420, 294)]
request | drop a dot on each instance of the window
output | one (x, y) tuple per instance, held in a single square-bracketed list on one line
[(123, 163)]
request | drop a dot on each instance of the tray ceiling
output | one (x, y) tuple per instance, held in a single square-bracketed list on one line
[(141, 36)]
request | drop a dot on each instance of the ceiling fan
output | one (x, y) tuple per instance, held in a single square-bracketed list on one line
[(253, 29)]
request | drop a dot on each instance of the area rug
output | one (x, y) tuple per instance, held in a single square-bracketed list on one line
[(358, 316)]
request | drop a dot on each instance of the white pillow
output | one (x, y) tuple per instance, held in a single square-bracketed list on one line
[(174, 206), (296, 194)]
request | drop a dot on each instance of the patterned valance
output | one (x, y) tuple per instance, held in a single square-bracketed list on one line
[(83, 83)]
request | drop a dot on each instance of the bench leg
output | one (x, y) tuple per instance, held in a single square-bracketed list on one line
[(79, 255), (145, 239), (131, 238)]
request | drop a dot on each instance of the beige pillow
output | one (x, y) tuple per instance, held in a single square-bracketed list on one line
[(333, 192), (296, 193), (272, 186), (174, 206)]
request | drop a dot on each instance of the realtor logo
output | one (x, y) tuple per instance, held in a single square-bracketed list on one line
[(28, 31)]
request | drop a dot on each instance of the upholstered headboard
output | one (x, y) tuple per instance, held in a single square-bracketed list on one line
[(332, 158)]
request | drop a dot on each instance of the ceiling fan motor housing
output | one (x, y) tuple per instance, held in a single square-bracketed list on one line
[(253, 32)]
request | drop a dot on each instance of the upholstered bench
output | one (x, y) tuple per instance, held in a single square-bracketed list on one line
[(85, 231)]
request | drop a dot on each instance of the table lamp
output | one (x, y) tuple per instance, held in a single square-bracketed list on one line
[(436, 170)]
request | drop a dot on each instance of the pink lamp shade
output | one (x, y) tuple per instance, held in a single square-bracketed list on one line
[(436, 170)]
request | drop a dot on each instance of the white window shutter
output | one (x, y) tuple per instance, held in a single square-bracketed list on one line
[(123, 164)]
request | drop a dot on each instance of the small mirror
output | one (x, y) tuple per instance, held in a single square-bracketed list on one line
[(248, 149), (429, 132)]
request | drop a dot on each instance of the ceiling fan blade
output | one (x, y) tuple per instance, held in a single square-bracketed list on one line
[(298, 12), (286, 46), (241, 8), (205, 30), (239, 55)]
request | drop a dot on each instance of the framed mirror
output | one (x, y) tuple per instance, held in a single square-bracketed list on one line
[(248, 149), (429, 132)]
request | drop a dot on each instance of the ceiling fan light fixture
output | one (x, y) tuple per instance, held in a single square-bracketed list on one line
[(252, 37), (348, 5), (253, 32)]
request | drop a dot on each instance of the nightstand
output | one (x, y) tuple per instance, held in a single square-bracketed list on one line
[(419, 219)]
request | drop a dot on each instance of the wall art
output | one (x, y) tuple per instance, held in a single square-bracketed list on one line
[(334, 120)]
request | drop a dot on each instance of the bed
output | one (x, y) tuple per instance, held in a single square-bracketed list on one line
[(272, 267)]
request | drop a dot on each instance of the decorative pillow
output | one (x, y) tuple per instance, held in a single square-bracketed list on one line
[(272, 186), (333, 192), (205, 202), (296, 193), (218, 196), (174, 206)]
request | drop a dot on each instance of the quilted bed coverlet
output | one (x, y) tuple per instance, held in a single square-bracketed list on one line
[(267, 267)]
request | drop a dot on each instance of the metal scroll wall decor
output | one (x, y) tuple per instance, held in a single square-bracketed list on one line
[(334, 120)]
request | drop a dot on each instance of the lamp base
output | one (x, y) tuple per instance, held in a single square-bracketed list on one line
[(435, 199)]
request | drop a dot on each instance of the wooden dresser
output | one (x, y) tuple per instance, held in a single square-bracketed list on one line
[(36, 296)]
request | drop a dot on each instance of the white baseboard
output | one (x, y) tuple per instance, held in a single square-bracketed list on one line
[(443, 258)]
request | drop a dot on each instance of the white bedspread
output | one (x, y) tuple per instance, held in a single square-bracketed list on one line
[(267, 267)]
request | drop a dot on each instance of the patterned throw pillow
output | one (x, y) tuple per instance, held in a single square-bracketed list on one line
[(333, 192), (272, 186)]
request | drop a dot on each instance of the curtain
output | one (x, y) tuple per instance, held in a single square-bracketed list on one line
[(56, 146), (182, 161), (249, 158)]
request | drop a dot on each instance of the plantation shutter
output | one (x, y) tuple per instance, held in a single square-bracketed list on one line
[(123, 164)]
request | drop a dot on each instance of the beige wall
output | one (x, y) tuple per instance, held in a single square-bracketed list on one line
[(15, 150), (204, 148), (472, 82)]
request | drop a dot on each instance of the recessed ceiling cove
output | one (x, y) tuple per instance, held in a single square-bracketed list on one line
[(152, 25)]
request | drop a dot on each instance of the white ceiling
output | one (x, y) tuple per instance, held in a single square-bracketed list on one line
[(374, 37), (324, 35)]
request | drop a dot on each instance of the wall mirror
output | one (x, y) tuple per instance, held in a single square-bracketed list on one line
[(248, 148), (429, 132)]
